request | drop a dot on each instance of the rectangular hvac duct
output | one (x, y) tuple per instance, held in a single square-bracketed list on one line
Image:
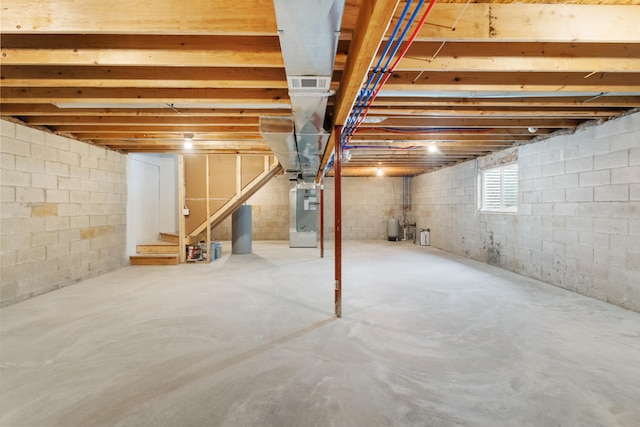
[(308, 31)]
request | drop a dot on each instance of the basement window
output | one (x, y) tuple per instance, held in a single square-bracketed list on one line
[(498, 189)]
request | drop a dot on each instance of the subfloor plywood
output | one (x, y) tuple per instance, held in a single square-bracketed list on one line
[(426, 338)]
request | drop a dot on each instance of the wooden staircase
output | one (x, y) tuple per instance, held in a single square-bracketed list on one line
[(235, 202), (166, 251)]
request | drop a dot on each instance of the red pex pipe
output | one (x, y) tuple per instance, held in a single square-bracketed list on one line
[(393, 67)]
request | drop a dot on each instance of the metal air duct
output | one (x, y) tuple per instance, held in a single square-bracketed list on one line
[(308, 32)]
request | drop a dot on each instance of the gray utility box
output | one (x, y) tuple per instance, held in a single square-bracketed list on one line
[(425, 237)]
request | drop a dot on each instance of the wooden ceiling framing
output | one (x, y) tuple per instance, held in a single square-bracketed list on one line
[(480, 76)]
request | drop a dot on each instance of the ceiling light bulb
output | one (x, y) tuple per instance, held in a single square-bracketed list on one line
[(188, 144), (532, 129), (432, 149), (380, 172)]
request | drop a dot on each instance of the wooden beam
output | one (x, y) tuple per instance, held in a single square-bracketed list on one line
[(99, 120), (9, 109), (165, 128), (123, 16), (207, 17), (516, 81), (373, 20), (133, 96), (232, 138), (143, 77), (532, 22)]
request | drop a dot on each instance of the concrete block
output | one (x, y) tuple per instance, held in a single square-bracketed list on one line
[(633, 261), (98, 198), (569, 237), (89, 162), (566, 209), (54, 223), (44, 181), (7, 129), (553, 169), (56, 168), (98, 175), (634, 192), (69, 158), (56, 196), (542, 184), (29, 195), (611, 225), (79, 172), (625, 175), (106, 165), (68, 236), (595, 178), (106, 187), (15, 178), (80, 247), (609, 257), (7, 161), (625, 140), (594, 147), (68, 209), (44, 152), (7, 194), (79, 147), (68, 183), (78, 222), (59, 142), (97, 152), (79, 196), (566, 181), (624, 243), (28, 134), (28, 164), (616, 159), (579, 165), (16, 242), (580, 223), (16, 147), (15, 210), (584, 194), (634, 157), (634, 226), (581, 253), (100, 220), (552, 196), (31, 254), (58, 251), (530, 172), (611, 193)]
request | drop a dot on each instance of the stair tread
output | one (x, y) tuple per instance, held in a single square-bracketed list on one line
[(154, 256), (158, 243)]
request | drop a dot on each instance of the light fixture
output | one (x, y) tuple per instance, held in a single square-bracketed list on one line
[(532, 129), (188, 141), (432, 148), (380, 172)]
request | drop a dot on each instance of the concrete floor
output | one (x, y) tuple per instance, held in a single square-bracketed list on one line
[(426, 339)]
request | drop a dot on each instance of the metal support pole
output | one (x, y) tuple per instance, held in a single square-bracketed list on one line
[(337, 171), (322, 217)]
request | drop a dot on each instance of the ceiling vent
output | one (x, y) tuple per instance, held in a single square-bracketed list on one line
[(319, 84)]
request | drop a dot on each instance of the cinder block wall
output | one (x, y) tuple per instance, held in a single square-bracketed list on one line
[(367, 203), (63, 211), (578, 225)]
